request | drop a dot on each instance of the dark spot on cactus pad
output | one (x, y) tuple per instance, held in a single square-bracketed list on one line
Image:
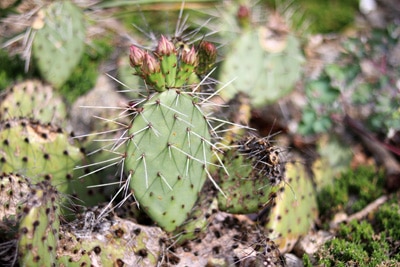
[(24, 159), (47, 177), (151, 194), (142, 253), (119, 232), (172, 198), (50, 248), (6, 142), (3, 160), (46, 156), (26, 140), (36, 258), (97, 250), (119, 263), (65, 152), (8, 125), (36, 224), (68, 176), (23, 123), (44, 135), (183, 206)]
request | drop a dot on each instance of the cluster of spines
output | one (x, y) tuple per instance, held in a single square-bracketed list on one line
[(264, 157)]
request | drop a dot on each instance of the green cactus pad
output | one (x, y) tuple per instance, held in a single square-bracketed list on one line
[(35, 100), (255, 176), (294, 212), (44, 152), (167, 155), (13, 191), (59, 40), (108, 241), (200, 217), (39, 226), (264, 75)]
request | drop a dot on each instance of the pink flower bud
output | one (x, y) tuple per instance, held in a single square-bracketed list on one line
[(150, 64), (209, 50), (165, 47), (136, 56), (189, 57)]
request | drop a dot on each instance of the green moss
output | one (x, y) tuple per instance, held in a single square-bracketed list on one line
[(387, 219), (351, 192), (85, 74), (356, 243)]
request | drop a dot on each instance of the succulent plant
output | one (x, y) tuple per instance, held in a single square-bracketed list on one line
[(295, 209), (255, 172), (44, 152), (271, 59), (39, 226), (13, 191), (35, 100), (126, 244), (59, 40), (167, 155)]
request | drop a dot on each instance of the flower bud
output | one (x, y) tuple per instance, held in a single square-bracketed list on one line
[(150, 64), (165, 47), (136, 56), (207, 55), (189, 57)]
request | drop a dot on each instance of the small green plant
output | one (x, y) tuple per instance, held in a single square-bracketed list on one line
[(361, 83)]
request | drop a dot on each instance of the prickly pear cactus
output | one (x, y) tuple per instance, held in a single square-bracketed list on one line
[(35, 100), (295, 209), (83, 242), (59, 40), (264, 72), (255, 174), (13, 190), (167, 156), (199, 219), (44, 152), (39, 226)]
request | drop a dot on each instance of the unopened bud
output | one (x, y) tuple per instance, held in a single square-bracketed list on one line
[(136, 56), (189, 57), (165, 47), (150, 64)]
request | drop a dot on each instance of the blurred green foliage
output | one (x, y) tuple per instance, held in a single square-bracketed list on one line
[(11, 69), (325, 16), (362, 81), (84, 76)]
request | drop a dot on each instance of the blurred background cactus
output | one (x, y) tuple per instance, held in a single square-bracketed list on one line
[(204, 133)]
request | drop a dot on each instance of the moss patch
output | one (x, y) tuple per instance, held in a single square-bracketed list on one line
[(351, 192), (366, 243)]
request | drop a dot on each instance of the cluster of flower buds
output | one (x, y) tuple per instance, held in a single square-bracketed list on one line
[(168, 67)]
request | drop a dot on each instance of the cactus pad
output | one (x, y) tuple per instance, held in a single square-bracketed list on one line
[(44, 152), (35, 100), (167, 155), (59, 40), (13, 190), (294, 212), (264, 75), (255, 170), (108, 241), (39, 226)]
